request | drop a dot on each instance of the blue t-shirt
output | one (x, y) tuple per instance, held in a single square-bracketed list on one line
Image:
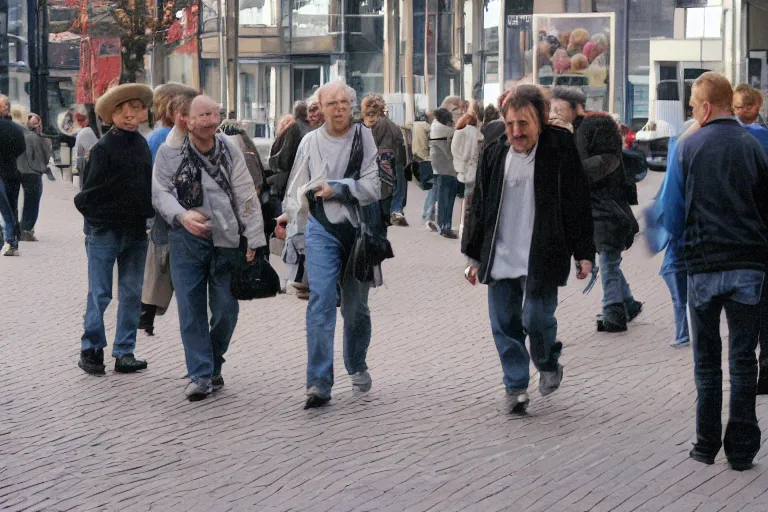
[(760, 133), (156, 139)]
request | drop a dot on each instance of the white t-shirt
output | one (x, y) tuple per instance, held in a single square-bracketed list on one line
[(515, 227)]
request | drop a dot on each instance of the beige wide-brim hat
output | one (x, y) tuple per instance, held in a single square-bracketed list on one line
[(108, 102)]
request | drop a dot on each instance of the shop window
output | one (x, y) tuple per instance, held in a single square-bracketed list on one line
[(258, 13), (703, 22), (312, 18)]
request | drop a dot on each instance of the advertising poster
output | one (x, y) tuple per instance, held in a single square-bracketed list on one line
[(576, 50)]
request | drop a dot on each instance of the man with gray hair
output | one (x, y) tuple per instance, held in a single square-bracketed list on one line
[(335, 176), (568, 105)]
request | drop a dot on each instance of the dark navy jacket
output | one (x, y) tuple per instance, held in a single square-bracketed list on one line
[(718, 204)]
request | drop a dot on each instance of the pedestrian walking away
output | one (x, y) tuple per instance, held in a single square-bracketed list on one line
[(32, 165), (530, 214), (13, 144), (718, 205), (206, 194), (446, 183), (116, 202), (335, 178), (600, 148)]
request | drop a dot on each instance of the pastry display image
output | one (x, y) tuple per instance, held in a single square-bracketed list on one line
[(575, 50)]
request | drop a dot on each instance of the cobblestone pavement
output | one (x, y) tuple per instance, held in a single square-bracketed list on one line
[(431, 435)]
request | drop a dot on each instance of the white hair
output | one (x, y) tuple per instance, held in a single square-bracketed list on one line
[(351, 93)]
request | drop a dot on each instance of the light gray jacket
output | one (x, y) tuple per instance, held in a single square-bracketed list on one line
[(216, 204), (440, 137)]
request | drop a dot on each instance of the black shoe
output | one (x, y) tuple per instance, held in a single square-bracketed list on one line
[(92, 361), (762, 380), (633, 308), (315, 398), (129, 364), (740, 466), (217, 382), (147, 318), (700, 456), (614, 318)]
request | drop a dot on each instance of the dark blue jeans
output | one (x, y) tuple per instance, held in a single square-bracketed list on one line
[(201, 275), (677, 283), (33, 192), (738, 292), (515, 315), (446, 197), (9, 210), (127, 247)]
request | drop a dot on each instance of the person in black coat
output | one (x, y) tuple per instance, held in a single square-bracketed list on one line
[(599, 143), (12, 142), (530, 214), (116, 202)]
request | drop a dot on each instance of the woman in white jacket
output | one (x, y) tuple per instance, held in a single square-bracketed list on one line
[(466, 147)]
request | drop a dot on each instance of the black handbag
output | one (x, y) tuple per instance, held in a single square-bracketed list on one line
[(255, 280)]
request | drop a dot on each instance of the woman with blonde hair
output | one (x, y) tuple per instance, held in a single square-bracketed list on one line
[(466, 147), (170, 106)]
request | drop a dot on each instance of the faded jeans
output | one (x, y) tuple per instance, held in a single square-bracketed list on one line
[(201, 276), (738, 292), (326, 259), (446, 198), (105, 246), (401, 192), (615, 287), (515, 315), (677, 283)]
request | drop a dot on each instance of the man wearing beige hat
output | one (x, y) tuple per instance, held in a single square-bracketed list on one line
[(116, 201)]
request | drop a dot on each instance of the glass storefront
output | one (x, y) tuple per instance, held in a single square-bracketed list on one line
[(18, 53), (364, 46)]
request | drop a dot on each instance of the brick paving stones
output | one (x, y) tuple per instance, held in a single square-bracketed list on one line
[(432, 435)]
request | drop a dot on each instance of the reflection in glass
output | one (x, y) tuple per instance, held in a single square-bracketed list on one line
[(258, 13)]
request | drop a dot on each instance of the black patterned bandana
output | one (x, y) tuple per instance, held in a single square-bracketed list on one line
[(188, 178)]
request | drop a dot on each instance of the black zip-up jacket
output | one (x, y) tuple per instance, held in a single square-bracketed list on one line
[(563, 215), (726, 199), (117, 183), (13, 146)]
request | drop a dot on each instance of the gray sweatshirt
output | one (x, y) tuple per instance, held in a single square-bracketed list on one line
[(216, 204)]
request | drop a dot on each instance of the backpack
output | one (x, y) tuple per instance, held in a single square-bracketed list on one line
[(635, 169), (33, 160)]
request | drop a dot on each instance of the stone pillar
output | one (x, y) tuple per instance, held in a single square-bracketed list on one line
[(406, 6)]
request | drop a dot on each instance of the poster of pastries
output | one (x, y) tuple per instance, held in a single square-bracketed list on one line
[(576, 50)]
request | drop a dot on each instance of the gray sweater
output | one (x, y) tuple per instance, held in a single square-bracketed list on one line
[(216, 204)]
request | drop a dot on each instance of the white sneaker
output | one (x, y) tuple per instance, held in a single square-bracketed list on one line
[(362, 382), (7, 250)]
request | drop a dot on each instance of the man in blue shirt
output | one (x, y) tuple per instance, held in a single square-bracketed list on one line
[(747, 102), (718, 204)]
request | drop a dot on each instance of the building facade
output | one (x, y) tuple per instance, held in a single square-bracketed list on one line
[(634, 57)]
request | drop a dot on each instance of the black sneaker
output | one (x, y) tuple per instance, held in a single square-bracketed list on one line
[(700, 456), (217, 382), (633, 308), (129, 364), (762, 379), (92, 361)]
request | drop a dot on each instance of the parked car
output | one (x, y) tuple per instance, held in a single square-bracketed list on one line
[(653, 141)]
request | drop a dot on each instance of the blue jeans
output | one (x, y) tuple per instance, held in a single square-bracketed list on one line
[(429, 204), (446, 197), (515, 315), (127, 247), (400, 194), (738, 292), (677, 283), (9, 210), (615, 287), (33, 192), (201, 276), (326, 260)]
